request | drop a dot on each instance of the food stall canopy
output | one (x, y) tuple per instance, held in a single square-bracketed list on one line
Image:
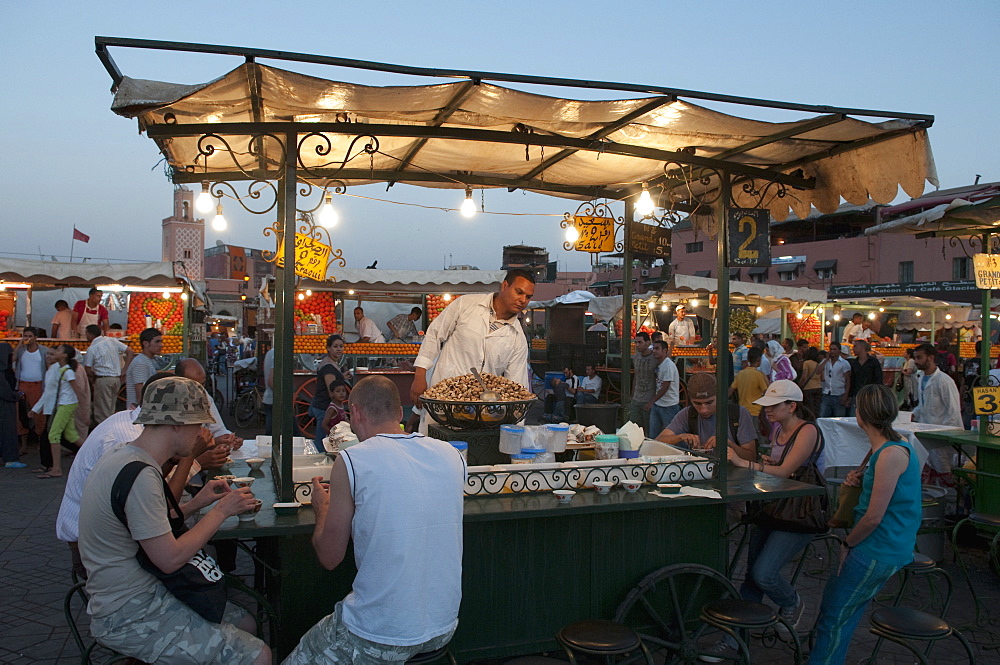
[(604, 308), (475, 133), (958, 217), (683, 286), (58, 274), (408, 281)]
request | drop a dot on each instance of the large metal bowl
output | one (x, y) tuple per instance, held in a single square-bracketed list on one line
[(476, 415)]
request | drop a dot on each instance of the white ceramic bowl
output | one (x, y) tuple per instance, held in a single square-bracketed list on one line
[(255, 463), (252, 513), (564, 496), (603, 486), (244, 481), (631, 485)]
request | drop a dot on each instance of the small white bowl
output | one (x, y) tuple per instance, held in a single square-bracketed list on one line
[(631, 485), (603, 486), (245, 481), (255, 463), (564, 496), (286, 508)]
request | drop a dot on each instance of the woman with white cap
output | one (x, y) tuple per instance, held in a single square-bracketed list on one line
[(795, 442)]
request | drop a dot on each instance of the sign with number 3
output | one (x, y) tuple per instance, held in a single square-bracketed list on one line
[(986, 400), (748, 237)]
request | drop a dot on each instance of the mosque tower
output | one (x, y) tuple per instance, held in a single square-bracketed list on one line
[(184, 235)]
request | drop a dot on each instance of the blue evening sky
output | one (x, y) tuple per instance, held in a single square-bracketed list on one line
[(66, 159)]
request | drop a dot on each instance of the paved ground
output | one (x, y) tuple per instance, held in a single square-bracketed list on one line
[(34, 577)]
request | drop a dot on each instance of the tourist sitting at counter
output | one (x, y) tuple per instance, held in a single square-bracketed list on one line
[(694, 427), (399, 497)]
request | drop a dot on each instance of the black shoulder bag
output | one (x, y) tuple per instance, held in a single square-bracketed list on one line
[(198, 583), (798, 514)]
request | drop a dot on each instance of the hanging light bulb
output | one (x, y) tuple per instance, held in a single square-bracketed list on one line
[(918, 312), (819, 310), (166, 295), (798, 315), (302, 296), (644, 206), (572, 235), (664, 307), (446, 297), (309, 292), (948, 317), (881, 309), (184, 295), (836, 317), (203, 203), (219, 223), (694, 302), (468, 208), (759, 309), (328, 216), (871, 316)]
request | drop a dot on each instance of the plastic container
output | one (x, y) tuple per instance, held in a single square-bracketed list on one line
[(555, 438), (462, 447), (510, 439), (540, 455), (521, 458), (628, 454), (607, 446)]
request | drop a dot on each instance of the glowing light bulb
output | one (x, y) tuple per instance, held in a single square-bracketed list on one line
[(759, 309), (918, 312), (947, 316), (446, 297), (328, 216), (819, 310), (836, 317), (184, 295), (351, 292), (572, 235), (219, 223), (203, 203), (644, 206), (309, 292), (468, 208), (302, 296), (166, 295), (798, 315), (881, 309), (527, 319), (829, 322), (871, 316), (664, 307), (694, 302)]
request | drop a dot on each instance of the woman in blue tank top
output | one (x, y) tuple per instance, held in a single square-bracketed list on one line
[(885, 532)]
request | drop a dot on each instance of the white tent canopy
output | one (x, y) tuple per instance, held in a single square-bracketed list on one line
[(409, 281), (41, 274), (604, 308), (766, 294)]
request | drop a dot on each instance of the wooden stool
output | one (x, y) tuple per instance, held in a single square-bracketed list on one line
[(903, 625), (599, 637), (428, 657), (734, 616)]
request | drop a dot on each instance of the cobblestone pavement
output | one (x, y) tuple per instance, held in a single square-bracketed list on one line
[(34, 577)]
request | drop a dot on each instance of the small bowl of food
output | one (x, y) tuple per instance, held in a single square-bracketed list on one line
[(564, 496), (252, 513), (669, 488), (603, 486), (286, 508), (631, 485), (255, 463), (228, 477), (243, 481)]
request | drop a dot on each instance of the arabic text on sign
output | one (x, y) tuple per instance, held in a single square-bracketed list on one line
[(597, 234), (311, 257)]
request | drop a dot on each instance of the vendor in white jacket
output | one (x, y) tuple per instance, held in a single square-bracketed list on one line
[(939, 402), (477, 330)]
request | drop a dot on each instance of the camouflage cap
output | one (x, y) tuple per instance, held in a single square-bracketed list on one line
[(175, 401)]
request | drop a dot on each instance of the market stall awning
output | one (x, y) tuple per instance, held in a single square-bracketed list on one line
[(409, 281), (42, 274), (681, 286), (474, 132), (958, 217)]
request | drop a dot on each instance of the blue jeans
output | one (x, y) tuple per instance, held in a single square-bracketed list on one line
[(320, 434), (767, 554), (638, 414), (586, 398), (845, 598), (660, 417), (830, 407)]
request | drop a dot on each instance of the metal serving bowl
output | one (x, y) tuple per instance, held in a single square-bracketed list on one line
[(476, 415)]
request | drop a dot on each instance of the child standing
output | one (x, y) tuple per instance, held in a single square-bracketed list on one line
[(61, 400), (337, 411)]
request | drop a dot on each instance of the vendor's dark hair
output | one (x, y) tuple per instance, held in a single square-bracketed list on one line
[(148, 335), (70, 356), (93, 290), (417, 311), (331, 339), (876, 406), (753, 353), (926, 349), (514, 273), (94, 330), (643, 335), (63, 303)]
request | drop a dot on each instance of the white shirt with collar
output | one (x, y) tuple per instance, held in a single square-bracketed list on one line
[(834, 378), (368, 328)]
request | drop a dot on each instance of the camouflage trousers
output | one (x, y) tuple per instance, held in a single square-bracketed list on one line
[(330, 642), (155, 627)]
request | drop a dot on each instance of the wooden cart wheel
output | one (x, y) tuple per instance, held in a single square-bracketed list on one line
[(664, 607), (682, 393), (305, 424)]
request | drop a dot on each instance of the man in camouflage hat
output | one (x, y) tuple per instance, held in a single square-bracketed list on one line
[(131, 611)]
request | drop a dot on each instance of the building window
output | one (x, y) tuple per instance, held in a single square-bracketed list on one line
[(960, 268), (187, 253), (694, 247), (825, 273), (759, 279), (905, 272), (788, 276)]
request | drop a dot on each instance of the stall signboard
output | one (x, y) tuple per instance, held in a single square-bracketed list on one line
[(986, 400), (649, 240), (957, 291), (987, 267), (311, 257), (748, 237), (597, 234)]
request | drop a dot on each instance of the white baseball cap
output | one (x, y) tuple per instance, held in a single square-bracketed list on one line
[(780, 391)]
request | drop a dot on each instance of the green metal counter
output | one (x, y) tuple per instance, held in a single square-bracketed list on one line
[(531, 565), (987, 463)]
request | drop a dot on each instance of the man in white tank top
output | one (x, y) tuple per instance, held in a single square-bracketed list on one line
[(399, 496)]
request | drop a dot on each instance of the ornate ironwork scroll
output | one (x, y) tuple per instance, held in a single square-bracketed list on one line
[(593, 209)]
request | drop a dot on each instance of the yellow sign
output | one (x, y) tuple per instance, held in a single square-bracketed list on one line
[(987, 267), (311, 257), (986, 400), (597, 234)]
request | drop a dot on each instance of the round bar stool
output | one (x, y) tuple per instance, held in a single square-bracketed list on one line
[(428, 657), (734, 616), (903, 625), (600, 637), (921, 566)]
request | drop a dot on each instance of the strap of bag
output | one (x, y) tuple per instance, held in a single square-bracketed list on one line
[(62, 377), (815, 454), (122, 486)]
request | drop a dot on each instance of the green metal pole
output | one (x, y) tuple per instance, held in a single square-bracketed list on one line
[(284, 338), (986, 327), (933, 324), (722, 331), (626, 339)]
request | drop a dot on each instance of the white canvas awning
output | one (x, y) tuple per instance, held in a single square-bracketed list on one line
[(42, 274), (409, 281), (457, 134), (958, 217), (685, 285)]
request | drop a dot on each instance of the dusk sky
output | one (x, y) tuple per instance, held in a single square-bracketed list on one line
[(67, 159)]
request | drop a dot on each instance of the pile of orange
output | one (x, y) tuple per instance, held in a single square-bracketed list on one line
[(320, 302), (309, 344), (369, 349), (435, 305), (169, 310)]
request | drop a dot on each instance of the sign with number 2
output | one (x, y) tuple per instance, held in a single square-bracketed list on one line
[(748, 237)]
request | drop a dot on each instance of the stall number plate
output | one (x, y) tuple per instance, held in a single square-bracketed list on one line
[(986, 400)]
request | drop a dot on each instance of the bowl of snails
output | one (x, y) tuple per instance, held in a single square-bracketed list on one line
[(456, 402)]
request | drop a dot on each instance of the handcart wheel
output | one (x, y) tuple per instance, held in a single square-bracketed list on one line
[(304, 422)]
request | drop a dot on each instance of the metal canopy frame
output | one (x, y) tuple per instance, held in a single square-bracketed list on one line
[(680, 168)]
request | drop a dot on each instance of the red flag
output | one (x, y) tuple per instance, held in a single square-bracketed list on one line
[(79, 235)]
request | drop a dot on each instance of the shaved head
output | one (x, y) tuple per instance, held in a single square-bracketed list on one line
[(190, 368)]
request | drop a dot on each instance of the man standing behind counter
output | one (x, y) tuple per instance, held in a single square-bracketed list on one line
[(402, 326), (477, 330), (367, 329)]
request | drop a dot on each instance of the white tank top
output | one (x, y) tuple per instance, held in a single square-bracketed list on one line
[(407, 532)]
